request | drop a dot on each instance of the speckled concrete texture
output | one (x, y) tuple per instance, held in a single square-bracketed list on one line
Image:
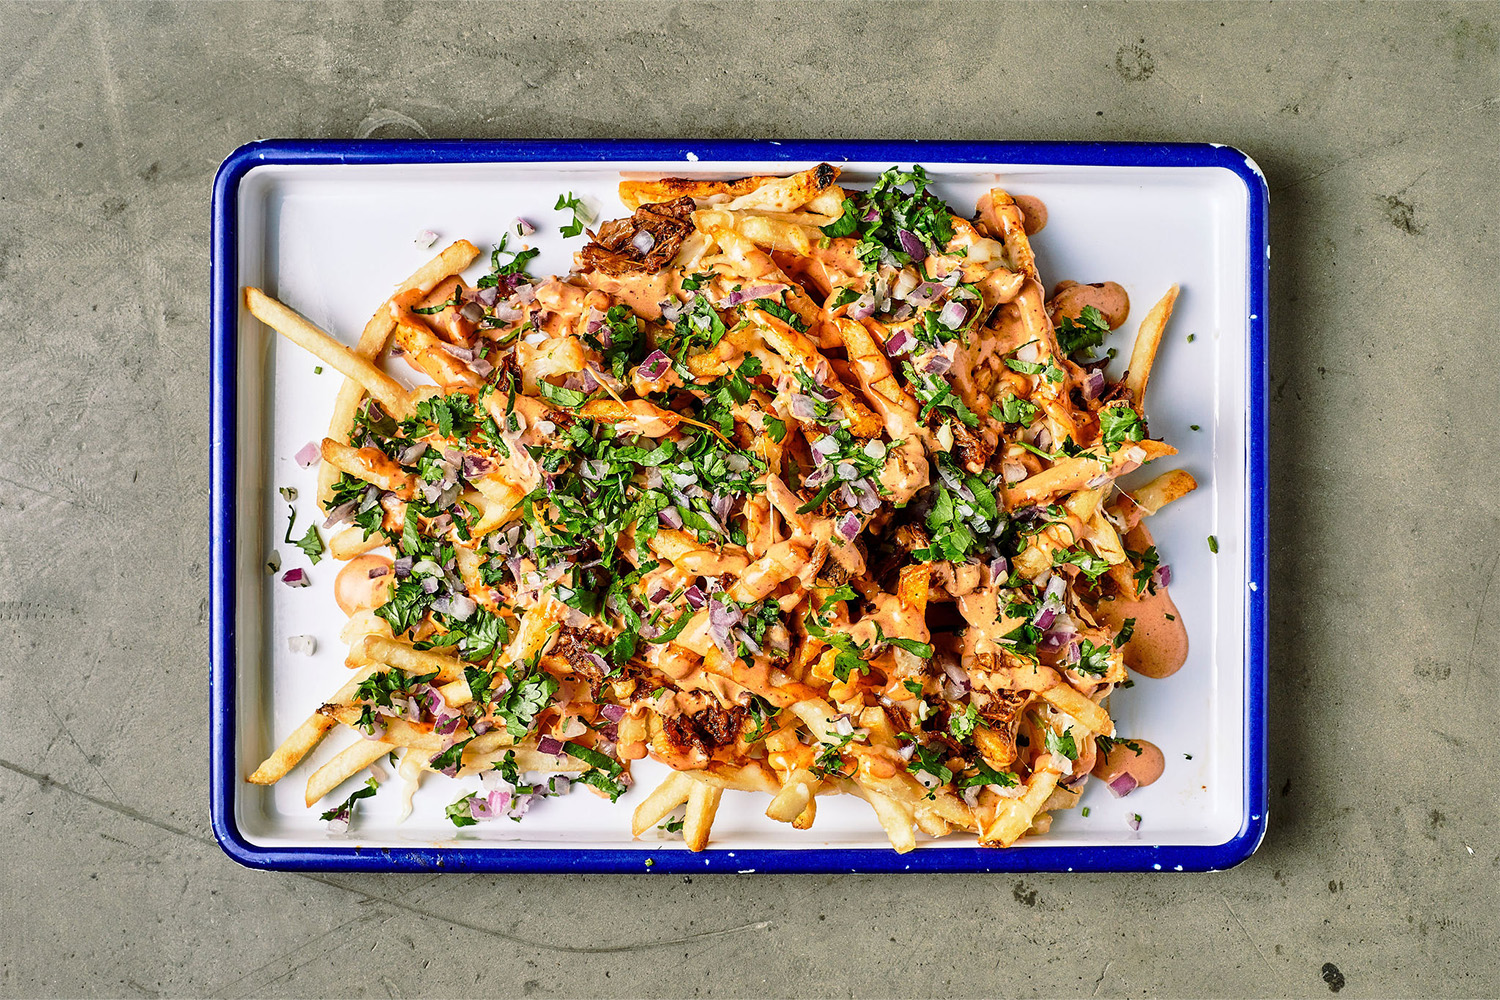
[(1378, 127)]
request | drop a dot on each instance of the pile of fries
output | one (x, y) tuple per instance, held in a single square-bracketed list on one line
[(797, 489)]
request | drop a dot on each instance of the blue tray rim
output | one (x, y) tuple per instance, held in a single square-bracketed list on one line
[(224, 311)]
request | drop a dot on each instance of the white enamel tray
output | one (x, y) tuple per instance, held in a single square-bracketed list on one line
[(329, 228)]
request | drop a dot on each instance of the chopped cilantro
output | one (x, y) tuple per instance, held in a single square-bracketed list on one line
[(962, 724), (782, 312), (581, 214), (1107, 744), (460, 813), (1127, 629), (1120, 424), (1062, 745), (345, 810), (1093, 660), (311, 543), (1087, 332), (1012, 409), (987, 775)]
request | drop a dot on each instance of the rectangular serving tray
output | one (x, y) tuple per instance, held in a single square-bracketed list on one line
[(329, 227)]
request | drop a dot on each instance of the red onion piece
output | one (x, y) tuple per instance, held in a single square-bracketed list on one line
[(643, 241), (900, 343), (695, 598), (308, 455), (429, 585), (1133, 821), (849, 526), (523, 227), (379, 571), (548, 745), (871, 214), (937, 363), (341, 513), (614, 713), (953, 315), (670, 517), (1073, 655), (912, 244), (862, 307), (1123, 786), (1163, 576), (804, 407), (720, 620), (403, 567), (425, 239), (1093, 385), (907, 751), (654, 367), (295, 578)]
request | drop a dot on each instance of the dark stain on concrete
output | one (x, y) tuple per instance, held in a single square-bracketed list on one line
[(1402, 214), (1333, 977), (1134, 63), (1024, 894)]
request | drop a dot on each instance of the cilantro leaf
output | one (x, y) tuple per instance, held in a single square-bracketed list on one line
[(1120, 424), (581, 214), (1062, 745), (460, 813), (568, 399), (962, 724), (987, 775), (1012, 409), (345, 810), (311, 544), (1087, 332)]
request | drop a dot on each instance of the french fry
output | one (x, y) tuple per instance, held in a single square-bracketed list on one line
[(1143, 352), (1162, 490), (668, 795), (702, 806), (351, 541), (292, 749), (345, 764), (298, 330)]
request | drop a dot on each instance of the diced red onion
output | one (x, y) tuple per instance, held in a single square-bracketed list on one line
[(429, 585), (403, 567), (378, 571), (912, 244), (937, 363), (487, 297), (721, 504), (654, 367), (862, 307), (956, 674), (548, 745), (295, 578), (411, 453), (907, 751), (1163, 576), (561, 785), (614, 713), (900, 343), (341, 513), (720, 620), (505, 312), (481, 367), (523, 227), (425, 239), (1133, 821), (307, 456), (1073, 655), (871, 214), (1093, 385), (695, 598), (472, 311), (671, 310), (1123, 786), (999, 569), (953, 315), (461, 607), (1097, 481), (525, 293), (749, 642), (643, 241), (304, 644), (849, 526), (670, 517), (658, 595), (804, 407), (476, 466), (456, 350), (905, 282)]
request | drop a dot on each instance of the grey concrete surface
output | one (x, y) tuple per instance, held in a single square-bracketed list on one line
[(1378, 127)]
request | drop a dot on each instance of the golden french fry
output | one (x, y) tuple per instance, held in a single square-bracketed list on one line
[(377, 650), (702, 806), (293, 326), (668, 795), (292, 750), (1164, 489), (1066, 699), (345, 764), (1013, 816), (454, 258), (1147, 340), (351, 541)]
